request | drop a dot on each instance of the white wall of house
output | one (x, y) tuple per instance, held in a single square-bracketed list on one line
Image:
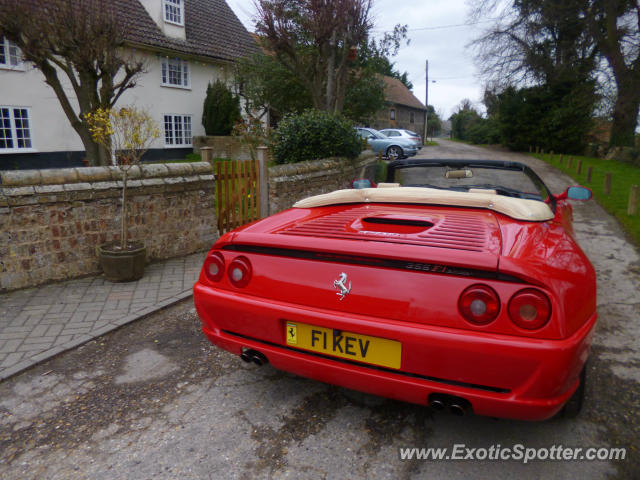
[(160, 100), (50, 129)]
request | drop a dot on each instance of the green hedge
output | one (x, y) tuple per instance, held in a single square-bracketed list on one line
[(313, 135)]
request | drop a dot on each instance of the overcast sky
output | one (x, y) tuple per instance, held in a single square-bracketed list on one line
[(435, 35)]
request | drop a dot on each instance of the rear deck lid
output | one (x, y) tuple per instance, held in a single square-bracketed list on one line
[(444, 235), (400, 262), (470, 231)]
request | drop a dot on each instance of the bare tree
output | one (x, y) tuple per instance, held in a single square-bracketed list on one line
[(83, 41), (537, 41), (313, 39), (534, 42), (615, 27)]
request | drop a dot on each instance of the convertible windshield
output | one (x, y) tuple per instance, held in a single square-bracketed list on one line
[(512, 180)]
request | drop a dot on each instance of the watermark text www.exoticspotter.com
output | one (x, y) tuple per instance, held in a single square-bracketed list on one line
[(517, 453)]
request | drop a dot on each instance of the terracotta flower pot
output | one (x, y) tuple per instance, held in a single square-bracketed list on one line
[(121, 265)]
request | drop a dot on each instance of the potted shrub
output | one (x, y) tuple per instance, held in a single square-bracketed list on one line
[(127, 134)]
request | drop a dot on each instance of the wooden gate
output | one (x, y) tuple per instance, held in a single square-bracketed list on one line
[(238, 193)]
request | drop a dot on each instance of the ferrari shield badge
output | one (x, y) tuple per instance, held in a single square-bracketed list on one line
[(341, 285)]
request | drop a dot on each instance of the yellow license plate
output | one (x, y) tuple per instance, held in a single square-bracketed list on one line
[(338, 343)]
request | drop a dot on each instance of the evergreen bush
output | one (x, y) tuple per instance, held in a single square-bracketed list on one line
[(313, 135), (221, 110)]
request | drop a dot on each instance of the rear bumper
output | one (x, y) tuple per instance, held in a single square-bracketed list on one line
[(410, 152), (502, 376)]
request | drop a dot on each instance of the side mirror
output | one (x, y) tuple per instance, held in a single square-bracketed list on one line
[(362, 183), (576, 193)]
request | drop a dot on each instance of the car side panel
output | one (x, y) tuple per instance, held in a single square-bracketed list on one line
[(548, 254)]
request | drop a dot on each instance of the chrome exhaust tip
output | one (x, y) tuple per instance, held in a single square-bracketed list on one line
[(456, 405), (249, 355), (259, 359), (458, 410)]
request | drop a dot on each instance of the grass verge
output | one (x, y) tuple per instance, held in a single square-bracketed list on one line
[(623, 176)]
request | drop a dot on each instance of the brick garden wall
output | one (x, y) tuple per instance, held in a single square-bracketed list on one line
[(292, 182), (51, 221)]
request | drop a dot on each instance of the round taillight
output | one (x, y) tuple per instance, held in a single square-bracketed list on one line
[(214, 267), (479, 304), (239, 272), (530, 309)]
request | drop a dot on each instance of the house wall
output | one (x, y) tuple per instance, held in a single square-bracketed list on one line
[(52, 132), (159, 100), (51, 221), (403, 119)]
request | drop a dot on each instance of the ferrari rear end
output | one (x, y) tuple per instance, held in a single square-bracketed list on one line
[(451, 307)]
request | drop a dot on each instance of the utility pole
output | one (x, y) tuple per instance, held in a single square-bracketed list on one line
[(426, 101)]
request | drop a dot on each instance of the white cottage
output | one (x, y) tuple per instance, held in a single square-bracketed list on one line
[(185, 44)]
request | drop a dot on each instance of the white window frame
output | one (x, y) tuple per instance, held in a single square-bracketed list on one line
[(6, 47), (170, 136), (14, 129), (185, 73), (175, 8)]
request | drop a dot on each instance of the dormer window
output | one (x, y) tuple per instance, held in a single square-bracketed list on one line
[(174, 11), (10, 56)]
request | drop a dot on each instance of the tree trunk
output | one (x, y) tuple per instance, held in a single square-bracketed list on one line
[(97, 155), (331, 74), (341, 87), (625, 115)]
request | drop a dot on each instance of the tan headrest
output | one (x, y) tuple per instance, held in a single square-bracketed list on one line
[(518, 208)]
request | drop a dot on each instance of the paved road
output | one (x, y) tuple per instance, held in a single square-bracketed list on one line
[(155, 400)]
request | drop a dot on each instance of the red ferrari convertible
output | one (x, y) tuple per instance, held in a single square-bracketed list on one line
[(457, 284)]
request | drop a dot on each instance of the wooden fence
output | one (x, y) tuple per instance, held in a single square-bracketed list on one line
[(607, 178), (238, 193)]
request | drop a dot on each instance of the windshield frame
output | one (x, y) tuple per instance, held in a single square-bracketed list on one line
[(468, 163)]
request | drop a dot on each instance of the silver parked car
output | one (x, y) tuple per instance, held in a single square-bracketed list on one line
[(399, 132), (392, 148)]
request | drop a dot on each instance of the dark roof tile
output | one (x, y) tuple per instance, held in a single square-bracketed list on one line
[(396, 92), (212, 30)]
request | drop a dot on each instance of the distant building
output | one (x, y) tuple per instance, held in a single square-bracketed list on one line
[(185, 44), (600, 131), (403, 109)]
